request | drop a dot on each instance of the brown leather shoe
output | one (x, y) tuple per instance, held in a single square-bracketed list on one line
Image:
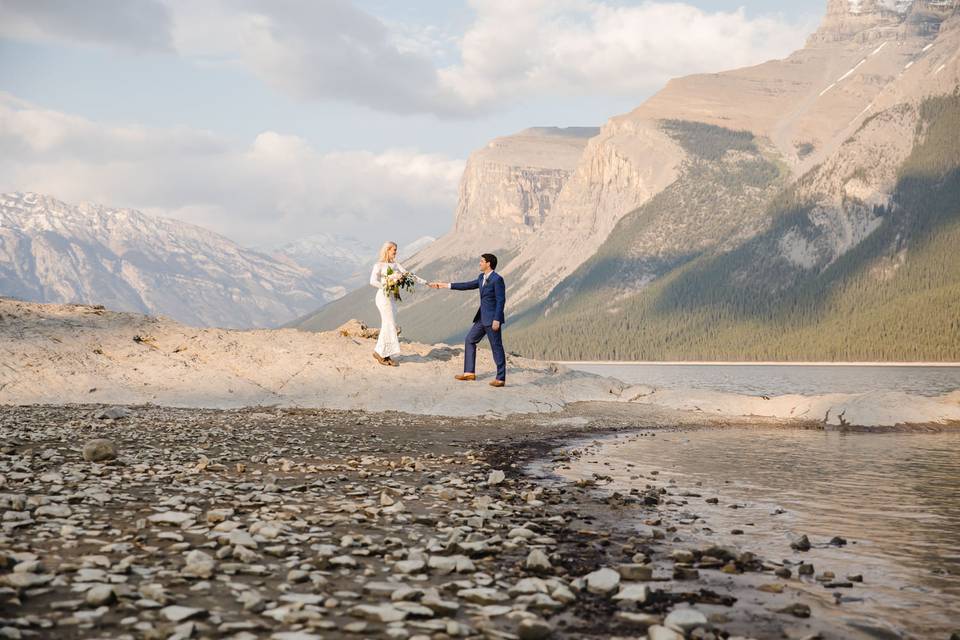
[(466, 376), (497, 383), (391, 362), (379, 358)]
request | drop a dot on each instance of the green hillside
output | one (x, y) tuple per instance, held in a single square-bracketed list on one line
[(896, 296)]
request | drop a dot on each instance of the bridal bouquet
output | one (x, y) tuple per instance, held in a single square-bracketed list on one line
[(395, 282)]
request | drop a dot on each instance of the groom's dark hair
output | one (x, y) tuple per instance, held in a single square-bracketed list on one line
[(492, 259)]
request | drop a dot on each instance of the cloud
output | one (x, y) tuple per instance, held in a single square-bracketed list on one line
[(140, 25), (513, 50), (313, 50), (571, 47), (274, 189)]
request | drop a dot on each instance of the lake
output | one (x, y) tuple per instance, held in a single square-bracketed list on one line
[(781, 379), (892, 496)]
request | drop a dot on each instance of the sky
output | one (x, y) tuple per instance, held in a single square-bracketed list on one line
[(272, 120)]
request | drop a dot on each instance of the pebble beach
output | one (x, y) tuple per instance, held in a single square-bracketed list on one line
[(295, 524)]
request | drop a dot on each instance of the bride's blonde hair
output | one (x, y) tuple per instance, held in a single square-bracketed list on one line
[(384, 249)]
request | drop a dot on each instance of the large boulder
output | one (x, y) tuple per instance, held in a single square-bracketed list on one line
[(357, 329)]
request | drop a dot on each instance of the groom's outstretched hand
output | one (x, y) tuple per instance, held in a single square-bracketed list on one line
[(439, 285)]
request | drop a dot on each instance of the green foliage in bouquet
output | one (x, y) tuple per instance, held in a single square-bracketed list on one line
[(396, 282)]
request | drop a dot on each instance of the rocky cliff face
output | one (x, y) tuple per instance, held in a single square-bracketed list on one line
[(626, 164), (851, 259), (510, 185), (508, 191), (862, 20), (866, 57), (865, 21), (51, 251)]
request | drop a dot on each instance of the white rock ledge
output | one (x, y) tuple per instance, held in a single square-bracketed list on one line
[(874, 409)]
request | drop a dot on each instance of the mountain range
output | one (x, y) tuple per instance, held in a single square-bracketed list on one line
[(800, 209), (51, 251)]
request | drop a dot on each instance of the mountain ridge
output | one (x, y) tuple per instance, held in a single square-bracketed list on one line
[(51, 251)]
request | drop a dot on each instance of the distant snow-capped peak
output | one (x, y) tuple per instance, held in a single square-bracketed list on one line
[(53, 251)]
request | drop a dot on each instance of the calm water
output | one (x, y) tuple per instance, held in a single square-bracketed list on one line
[(780, 379), (895, 497)]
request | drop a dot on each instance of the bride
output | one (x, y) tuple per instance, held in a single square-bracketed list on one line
[(388, 344)]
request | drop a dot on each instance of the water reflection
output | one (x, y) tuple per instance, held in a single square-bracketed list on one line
[(893, 496)]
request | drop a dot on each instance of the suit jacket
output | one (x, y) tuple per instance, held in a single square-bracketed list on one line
[(493, 297)]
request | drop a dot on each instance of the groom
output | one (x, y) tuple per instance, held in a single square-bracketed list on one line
[(487, 322)]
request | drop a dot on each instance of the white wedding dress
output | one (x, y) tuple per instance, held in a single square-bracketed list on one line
[(388, 344)]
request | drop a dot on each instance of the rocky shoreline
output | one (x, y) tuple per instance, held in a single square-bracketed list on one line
[(297, 524)]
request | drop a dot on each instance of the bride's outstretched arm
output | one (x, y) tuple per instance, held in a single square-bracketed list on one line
[(413, 275)]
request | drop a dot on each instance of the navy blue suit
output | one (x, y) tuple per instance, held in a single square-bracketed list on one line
[(493, 297)]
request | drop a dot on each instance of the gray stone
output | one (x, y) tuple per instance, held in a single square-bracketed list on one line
[(296, 576), (99, 450), (682, 555), (113, 413), (304, 598), (378, 613), (100, 594), (528, 586), (177, 613), (638, 619), (657, 632), (199, 565), (440, 606), (343, 561), (410, 566), (602, 581), (482, 595), (637, 593), (563, 594), (54, 511), (251, 601), (534, 629), (635, 572), (172, 517), (537, 560), (496, 477), (414, 609), (685, 620), (241, 538), (26, 580)]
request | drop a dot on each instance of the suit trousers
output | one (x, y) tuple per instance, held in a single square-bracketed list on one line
[(476, 334)]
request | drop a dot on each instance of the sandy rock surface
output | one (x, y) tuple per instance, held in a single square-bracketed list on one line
[(85, 354), (76, 354)]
